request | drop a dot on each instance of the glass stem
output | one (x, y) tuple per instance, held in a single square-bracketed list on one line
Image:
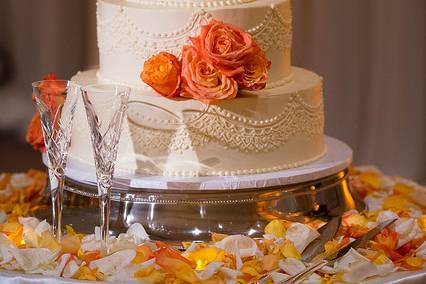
[(56, 191), (104, 212)]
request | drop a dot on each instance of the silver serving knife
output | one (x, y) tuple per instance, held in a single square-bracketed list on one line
[(318, 264), (327, 233)]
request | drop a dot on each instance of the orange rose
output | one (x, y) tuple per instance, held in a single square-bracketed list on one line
[(34, 134), (255, 73), (51, 94), (202, 81), (225, 46), (162, 73)]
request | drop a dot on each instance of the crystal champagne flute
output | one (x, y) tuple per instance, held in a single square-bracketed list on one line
[(56, 101), (105, 109)]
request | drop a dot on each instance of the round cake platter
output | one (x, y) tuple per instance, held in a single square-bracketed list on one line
[(185, 209)]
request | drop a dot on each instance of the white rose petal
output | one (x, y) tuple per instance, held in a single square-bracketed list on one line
[(408, 229), (125, 274), (386, 216), (20, 180), (42, 227), (33, 258), (70, 269), (240, 244), (301, 235), (385, 269), (291, 266), (6, 255), (230, 274), (5, 241), (137, 231), (111, 264), (28, 222), (355, 267), (373, 203)]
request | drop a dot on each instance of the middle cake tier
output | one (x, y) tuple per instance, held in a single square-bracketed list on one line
[(257, 132), (129, 33)]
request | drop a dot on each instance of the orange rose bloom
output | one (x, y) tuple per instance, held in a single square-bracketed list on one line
[(162, 73), (52, 96), (202, 81), (255, 75), (225, 46)]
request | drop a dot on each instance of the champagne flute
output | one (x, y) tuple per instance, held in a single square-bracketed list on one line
[(105, 106)]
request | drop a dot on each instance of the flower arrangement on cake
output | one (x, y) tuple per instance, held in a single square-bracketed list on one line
[(220, 61), (26, 243)]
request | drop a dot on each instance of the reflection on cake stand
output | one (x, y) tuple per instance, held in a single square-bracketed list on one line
[(177, 209)]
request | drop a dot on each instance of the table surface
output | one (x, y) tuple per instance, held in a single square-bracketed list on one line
[(11, 277)]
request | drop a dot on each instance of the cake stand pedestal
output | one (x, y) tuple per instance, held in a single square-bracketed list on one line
[(185, 209)]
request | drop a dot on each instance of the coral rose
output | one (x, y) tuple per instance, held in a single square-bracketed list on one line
[(202, 81), (162, 73), (225, 46), (255, 75)]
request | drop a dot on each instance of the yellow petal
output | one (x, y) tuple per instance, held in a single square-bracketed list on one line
[(216, 237), (85, 273), (422, 223), (154, 277), (372, 179), (395, 201), (402, 189), (70, 244), (202, 257), (143, 272), (276, 228), (414, 261), (288, 250), (47, 241)]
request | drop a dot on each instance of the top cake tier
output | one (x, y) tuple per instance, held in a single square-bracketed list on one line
[(130, 32)]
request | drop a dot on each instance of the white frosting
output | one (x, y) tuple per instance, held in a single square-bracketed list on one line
[(257, 132), (129, 34)]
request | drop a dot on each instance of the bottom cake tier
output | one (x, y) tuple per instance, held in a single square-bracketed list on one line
[(263, 131)]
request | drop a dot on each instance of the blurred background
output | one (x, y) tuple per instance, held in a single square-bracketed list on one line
[(371, 53)]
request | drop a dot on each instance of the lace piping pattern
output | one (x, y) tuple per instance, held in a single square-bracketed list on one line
[(273, 31), (119, 33), (231, 130)]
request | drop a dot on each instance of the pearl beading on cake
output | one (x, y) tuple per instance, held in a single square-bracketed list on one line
[(245, 171)]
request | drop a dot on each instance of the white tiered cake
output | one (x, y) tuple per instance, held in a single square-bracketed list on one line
[(276, 128)]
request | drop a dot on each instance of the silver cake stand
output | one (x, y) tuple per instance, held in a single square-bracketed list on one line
[(178, 209)]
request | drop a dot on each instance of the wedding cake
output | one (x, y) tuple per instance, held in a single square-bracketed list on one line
[(258, 130)]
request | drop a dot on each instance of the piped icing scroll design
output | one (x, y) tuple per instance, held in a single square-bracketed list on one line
[(119, 33), (274, 31), (234, 131)]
